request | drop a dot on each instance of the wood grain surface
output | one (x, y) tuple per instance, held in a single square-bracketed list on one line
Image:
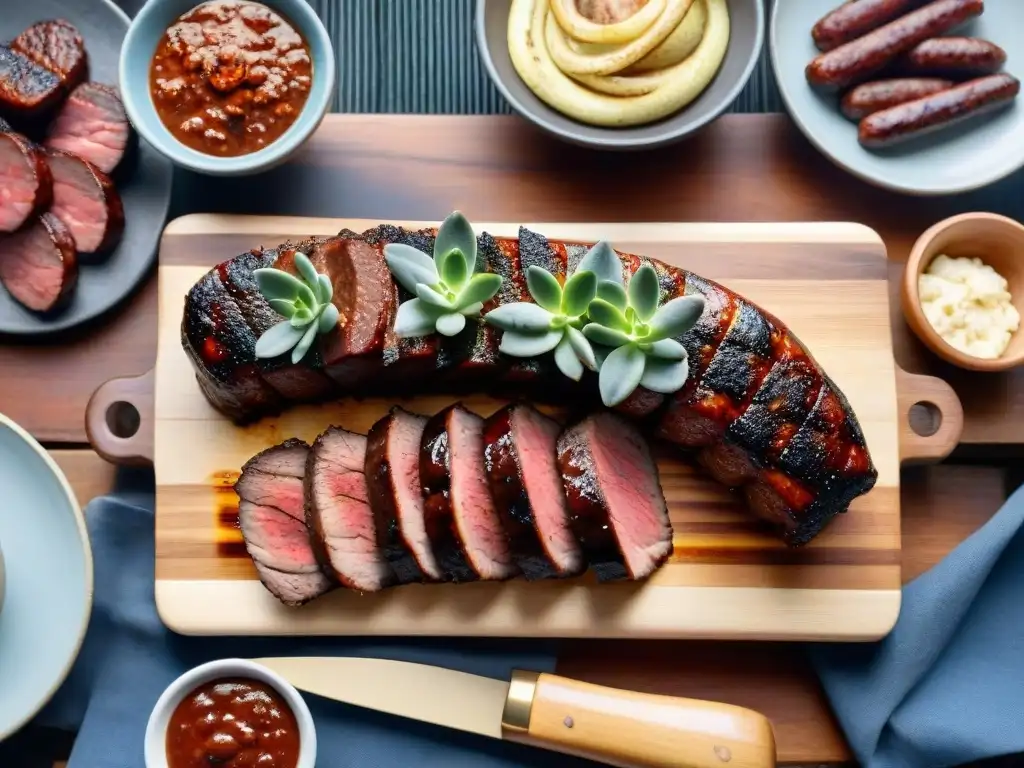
[(941, 506), (727, 576), (498, 168)]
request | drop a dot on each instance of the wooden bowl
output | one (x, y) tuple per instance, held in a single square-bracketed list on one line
[(999, 242)]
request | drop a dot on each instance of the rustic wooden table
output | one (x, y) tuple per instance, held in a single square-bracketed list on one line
[(742, 168)]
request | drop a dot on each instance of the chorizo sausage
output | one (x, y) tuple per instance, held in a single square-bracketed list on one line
[(940, 110), (855, 18), (952, 57), (860, 59), (877, 95)]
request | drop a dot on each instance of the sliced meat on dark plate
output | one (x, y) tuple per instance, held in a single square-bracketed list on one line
[(618, 509), (26, 89), (38, 265), (55, 45), (26, 185), (522, 468), (92, 124), (396, 496), (271, 514), (85, 199), (338, 514), (462, 522)]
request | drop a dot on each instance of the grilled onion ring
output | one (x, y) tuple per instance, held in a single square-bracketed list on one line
[(573, 63)]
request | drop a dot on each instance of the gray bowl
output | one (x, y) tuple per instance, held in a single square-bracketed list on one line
[(747, 23)]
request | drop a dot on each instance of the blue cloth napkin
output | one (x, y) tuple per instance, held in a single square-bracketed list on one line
[(129, 657), (946, 686)]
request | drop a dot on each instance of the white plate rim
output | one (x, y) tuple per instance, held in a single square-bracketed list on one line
[(879, 181), (83, 533)]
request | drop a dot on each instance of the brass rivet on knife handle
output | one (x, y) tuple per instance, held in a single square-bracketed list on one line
[(515, 717)]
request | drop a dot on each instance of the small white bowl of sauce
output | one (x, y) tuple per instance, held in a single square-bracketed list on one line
[(230, 712)]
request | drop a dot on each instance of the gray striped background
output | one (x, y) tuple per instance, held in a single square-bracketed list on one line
[(419, 56)]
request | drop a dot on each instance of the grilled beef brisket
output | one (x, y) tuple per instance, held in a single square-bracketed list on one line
[(462, 522), (27, 90), (521, 463), (396, 496), (85, 199), (271, 514), (38, 265), (92, 124), (338, 514), (26, 184), (57, 46), (756, 408), (618, 511)]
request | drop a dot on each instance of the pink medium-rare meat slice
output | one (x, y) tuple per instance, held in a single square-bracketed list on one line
[(93, 125), (462, 522), (55, 45), (38, 265), (85, 199), (522, 469), (618, 509), (27, 91), (26, 185), (271, 514), (396, 496), (338, 513)]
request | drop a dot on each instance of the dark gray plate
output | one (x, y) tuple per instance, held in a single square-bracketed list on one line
[(144, 181)]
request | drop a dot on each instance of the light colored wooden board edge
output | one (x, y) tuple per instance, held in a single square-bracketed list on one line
[(765, 232), (137, 392), (913, 389), (695, 613)]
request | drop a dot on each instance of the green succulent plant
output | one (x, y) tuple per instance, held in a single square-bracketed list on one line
[(634, 336), (445, 287), (304, 302)]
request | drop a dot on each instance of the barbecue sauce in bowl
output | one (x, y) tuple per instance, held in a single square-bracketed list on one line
[(229, 77), (231, 723)]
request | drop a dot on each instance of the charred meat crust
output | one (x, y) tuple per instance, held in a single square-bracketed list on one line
[(435, 474), (27, 90), (752, 386), (57, 46), (383, 492)]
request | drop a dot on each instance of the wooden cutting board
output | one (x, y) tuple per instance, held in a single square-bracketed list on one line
[(727, 578)]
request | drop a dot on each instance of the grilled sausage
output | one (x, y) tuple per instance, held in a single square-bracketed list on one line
[(940, 110), (868, 98), (860, 59), (953, 57), (855, 18)]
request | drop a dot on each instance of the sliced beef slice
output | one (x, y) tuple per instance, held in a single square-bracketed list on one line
[(55, 45), (522, 469), (462, 522), (396, 496), (26, 184), (618, 510), (338, 513), (365, 297), (27, 90), (93, 125), (271, 514), (86, 200), (38, 266)]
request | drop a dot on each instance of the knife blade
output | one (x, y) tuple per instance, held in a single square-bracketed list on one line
[(618, 727)]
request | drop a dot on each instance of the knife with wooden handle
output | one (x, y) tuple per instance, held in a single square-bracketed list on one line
[(613, 726)]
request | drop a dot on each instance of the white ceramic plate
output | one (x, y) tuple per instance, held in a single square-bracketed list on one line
[(48, 585), (957, 159)]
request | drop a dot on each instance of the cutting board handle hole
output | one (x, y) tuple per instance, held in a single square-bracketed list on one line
[(925, 418), (123, 419)]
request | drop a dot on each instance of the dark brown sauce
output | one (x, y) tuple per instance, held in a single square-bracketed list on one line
[(229, 77), (229, 541), (233, 722)]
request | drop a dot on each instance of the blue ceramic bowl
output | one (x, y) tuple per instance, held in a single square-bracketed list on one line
[(140, 44)]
